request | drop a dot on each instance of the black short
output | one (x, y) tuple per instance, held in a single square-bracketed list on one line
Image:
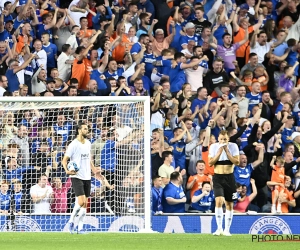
[(81, 187), (224, 185)]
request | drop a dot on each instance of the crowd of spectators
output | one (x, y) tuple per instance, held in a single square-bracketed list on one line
[(207, 65)]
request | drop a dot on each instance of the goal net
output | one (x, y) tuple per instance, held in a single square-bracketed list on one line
[(37, 195)]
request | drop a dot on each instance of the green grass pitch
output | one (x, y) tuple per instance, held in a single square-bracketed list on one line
[(135, 241)]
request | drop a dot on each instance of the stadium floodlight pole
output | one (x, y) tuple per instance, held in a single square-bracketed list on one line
[(25, 103)]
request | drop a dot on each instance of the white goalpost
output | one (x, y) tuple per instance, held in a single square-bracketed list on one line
[(36, 194)]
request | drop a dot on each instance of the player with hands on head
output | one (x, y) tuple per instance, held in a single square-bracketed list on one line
[(223, 156)]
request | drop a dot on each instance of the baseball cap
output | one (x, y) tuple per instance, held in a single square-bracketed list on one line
[(50, 81), (10, 21), (189, 25), (244, 6)]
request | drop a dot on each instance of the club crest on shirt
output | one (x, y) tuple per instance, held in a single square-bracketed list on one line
[(179, 149)]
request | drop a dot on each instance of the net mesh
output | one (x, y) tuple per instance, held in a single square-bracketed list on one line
[(33, 140)]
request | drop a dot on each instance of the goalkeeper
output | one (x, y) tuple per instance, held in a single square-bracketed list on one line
[(79, 151)]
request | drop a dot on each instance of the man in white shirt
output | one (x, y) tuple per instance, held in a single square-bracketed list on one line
[(259, 45), (72, 39), (251, 4), (127, 22), (241, 100), (41, 195), (188, 51), (294, 28), (75, 12), (123, 131), (64, 62), (3, 84), (41, 55), (194, 75)]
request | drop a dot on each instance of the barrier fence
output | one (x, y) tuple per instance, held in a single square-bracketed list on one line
[(241, 224)]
